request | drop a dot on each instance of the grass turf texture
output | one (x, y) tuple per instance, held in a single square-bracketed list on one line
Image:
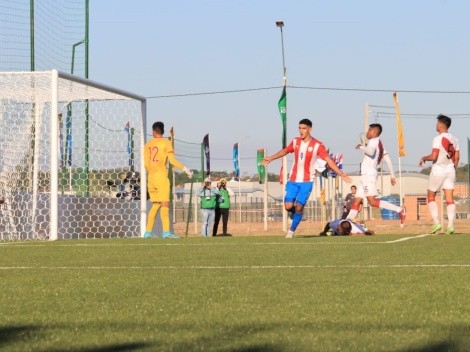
[(237, 294)]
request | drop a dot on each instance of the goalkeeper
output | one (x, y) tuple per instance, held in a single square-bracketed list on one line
[(157, 152), (345, 227)]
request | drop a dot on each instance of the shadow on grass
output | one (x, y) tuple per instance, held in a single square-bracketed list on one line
[(435, 347), (34, 335), (258, 348), (250, 337), (114, 348), (9, 335), (14, 333)]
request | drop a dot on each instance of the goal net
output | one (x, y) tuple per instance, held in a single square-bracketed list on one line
[(43, 35), (70, 158)]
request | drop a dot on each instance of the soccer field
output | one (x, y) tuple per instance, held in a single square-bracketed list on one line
[(378, 293)]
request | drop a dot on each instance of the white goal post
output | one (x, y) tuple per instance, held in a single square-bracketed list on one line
[(71, 161)]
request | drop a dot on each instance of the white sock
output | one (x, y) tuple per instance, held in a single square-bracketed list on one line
[(352, 214), (450, 214), (434, 212), (389, 206)]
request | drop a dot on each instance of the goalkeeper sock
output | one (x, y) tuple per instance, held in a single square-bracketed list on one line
[(151, 216), (165, 217)]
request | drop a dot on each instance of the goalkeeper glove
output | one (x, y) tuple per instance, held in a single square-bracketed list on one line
[(188, 172)]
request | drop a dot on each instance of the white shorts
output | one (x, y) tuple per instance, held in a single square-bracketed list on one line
[(367, 187), (444, 180)]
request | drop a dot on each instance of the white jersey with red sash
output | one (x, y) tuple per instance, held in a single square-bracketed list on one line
[(373, 155), (306, 153), (446, 145)]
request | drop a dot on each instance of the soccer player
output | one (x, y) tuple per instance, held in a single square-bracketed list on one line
[(374, 153), (307, 150), (445, 157), (345, 227), (157, 152)]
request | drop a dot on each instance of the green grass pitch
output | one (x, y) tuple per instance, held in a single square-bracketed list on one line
[(378, 293)]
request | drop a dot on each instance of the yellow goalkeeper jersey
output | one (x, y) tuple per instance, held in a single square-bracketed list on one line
[(156, 154)]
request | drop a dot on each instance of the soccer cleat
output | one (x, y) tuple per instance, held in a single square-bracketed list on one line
[(168, 234), (329, 233), (450, 231), (290, 234), (402, 214), (149, 234), (435, 229)]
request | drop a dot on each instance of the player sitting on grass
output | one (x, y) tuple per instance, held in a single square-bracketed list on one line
[(345, 227)]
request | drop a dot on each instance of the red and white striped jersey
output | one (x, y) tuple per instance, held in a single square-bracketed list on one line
[(305, 154)]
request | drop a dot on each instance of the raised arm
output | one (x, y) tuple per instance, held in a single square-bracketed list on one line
[(265, 161), (177, 164), (332, 165)]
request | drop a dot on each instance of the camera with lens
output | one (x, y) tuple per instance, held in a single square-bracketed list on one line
[(128, 187)]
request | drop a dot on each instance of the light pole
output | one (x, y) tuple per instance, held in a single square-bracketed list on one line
[(280, 24)]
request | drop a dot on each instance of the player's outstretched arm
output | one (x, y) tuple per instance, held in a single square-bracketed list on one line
[(265, 161), (335, 168)]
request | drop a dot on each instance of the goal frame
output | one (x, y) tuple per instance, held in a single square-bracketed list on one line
[(55, 75)]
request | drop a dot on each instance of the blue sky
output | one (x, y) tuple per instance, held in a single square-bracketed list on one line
[(160, 48)]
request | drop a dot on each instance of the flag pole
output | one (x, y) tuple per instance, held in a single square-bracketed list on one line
[(401, 145), (366, 118), (262, 173), (280, 24), (239, 187), (365, 213), (265, 196), (236, 167), (468, 173)]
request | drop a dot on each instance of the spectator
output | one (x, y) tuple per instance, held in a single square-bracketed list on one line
[(222, 207), (208, 196), (348, 200)]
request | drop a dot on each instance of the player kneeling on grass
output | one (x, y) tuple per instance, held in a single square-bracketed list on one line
[(345, 227)]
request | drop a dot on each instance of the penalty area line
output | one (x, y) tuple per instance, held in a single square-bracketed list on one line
[(410, 238)]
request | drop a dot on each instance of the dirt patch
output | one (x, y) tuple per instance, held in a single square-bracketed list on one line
[(308, 228)]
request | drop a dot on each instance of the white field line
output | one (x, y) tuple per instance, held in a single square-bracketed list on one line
[(410, 238), (230, 267), (173, 242)]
